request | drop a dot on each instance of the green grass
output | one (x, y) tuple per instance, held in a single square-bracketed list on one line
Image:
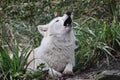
[(96, 28), (96, 40), (12, 67)]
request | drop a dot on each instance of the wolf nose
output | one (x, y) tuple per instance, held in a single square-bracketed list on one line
[(68, 13)]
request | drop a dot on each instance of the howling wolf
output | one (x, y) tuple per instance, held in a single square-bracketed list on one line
[(57, 47)]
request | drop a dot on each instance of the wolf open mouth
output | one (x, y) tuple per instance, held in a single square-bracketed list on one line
[(68, 21)]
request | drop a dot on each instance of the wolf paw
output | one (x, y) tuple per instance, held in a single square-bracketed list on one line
[(68, 73), (54, 73), (57, 74)]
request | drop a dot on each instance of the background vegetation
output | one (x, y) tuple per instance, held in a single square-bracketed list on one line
[(96, 26)]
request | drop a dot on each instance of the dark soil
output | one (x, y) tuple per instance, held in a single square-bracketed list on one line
[(90, 73)]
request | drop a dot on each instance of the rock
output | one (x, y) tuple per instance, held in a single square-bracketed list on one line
[(101, 75), (108, 75), (77, 79)]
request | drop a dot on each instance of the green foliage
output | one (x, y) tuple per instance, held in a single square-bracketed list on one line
[(96, 29), (13, 65), (12, 62), (40, 74), (96, 40)]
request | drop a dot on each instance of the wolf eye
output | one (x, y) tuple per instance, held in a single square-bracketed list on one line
[(57, 20)]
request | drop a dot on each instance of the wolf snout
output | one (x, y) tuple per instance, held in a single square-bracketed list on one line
[(68, 21), (68, 13)]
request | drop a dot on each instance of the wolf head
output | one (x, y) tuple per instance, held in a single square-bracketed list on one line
[(59, 25)]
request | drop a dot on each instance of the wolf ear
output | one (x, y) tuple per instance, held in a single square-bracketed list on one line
[(42, 29)]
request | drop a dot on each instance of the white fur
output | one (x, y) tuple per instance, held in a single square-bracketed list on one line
[(56, 49)]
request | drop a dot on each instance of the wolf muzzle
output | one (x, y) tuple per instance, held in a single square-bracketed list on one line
[(68, 21)]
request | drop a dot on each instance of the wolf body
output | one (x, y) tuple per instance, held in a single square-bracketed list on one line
[(57, 47)]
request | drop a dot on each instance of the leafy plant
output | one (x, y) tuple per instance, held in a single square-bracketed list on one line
[(96, 28), (96, 41), (12, 62)]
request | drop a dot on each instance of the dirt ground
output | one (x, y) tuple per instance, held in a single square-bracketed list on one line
[(93, 72)]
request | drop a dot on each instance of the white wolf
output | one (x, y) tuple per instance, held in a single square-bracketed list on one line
[(57, 47)]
